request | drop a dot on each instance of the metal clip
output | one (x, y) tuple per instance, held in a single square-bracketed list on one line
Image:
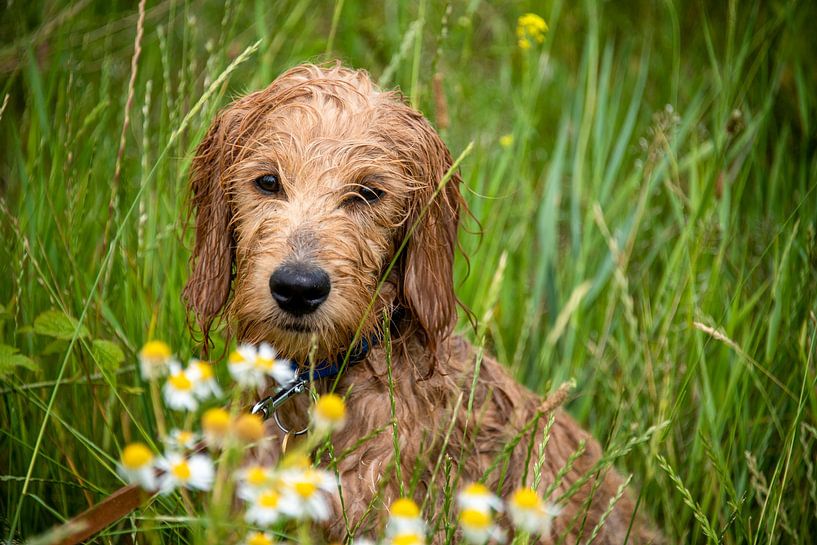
[(269, 405)]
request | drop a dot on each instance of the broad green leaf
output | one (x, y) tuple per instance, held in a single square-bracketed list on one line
[(53, 323), (107, 354), (10, 360)]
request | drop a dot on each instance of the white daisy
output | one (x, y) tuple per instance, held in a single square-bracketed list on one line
[(204, 380), (265, 508), (279, 369), (181, 440), (196, 472), (154, 359), (137, 466), (178, 391), (405, 519), (329, 413), (478, 526), (216, 424), (252, 480), (305, 493), (241, 364), (477, 496), (530, 514), (477, 506)]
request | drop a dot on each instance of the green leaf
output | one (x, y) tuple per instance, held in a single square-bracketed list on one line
[(107, 354), (53, 323), (10, 360), (57, 346)]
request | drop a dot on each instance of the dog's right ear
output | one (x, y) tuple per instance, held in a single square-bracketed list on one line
[(208, 283)]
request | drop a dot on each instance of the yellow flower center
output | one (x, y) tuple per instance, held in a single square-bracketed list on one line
[(235, 357), (155, 351), (256, 475), (215, 421), (407, 539), (181, 470), (525, 498), (264, 363), (474, 518), (269, 499), (258, 538), (305, 489), (136, 456), (180, 382), (184, 437), (476, 489), (331, 408), (296, 461), (205, 369), (249, 427), (404, 507)]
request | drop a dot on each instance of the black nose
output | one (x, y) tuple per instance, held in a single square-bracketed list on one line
[(299, 289)]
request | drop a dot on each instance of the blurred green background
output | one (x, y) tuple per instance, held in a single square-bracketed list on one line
[(644, 186)]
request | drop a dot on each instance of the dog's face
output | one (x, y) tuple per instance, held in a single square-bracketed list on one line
[(304, 193)]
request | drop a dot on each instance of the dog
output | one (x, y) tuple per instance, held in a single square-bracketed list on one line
[(326, 212)]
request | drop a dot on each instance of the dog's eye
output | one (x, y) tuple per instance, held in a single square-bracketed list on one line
[(269, 184), (370, 194)]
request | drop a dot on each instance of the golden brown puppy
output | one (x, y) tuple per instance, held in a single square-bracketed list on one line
[(304, 193)]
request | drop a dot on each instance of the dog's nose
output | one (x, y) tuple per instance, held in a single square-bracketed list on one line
[(299, 289)]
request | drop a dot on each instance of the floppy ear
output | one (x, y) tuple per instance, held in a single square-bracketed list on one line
[(428, 283), (208, 284)]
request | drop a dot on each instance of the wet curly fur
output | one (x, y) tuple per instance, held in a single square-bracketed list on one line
[(327, 132)]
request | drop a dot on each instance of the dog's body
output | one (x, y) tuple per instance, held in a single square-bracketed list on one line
[(316, 189)]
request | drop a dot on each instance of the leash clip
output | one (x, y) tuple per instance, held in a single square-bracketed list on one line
[(270, 404)]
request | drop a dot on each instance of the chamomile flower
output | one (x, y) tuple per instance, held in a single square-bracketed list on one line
[(258, 538), (196, 472), (329, 413), (249, 428), (530, 514), (478, 526), (204, 380), (304, 493), (181, 440), (136, 465), (178, 391), (265, 508), (252, 480), (405, 519), (154, 359), (241, 364), (477, 496), (215, 423), (407, 538), (279, 369)]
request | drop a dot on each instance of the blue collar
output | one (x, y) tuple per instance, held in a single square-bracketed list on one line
[(325, 369)]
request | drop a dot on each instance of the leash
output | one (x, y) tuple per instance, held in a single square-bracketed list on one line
[(128, 498), (325, 369)]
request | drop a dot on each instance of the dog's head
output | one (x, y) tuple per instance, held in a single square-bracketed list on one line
[(304, 193)]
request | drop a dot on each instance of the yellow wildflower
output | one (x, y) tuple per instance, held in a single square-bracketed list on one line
[(530, 27)]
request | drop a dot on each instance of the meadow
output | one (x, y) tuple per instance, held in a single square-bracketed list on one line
[(642, 186)]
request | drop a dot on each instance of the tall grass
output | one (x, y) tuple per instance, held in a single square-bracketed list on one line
[(648, 228)]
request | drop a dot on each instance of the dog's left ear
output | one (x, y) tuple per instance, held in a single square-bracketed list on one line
[(428, 270)]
